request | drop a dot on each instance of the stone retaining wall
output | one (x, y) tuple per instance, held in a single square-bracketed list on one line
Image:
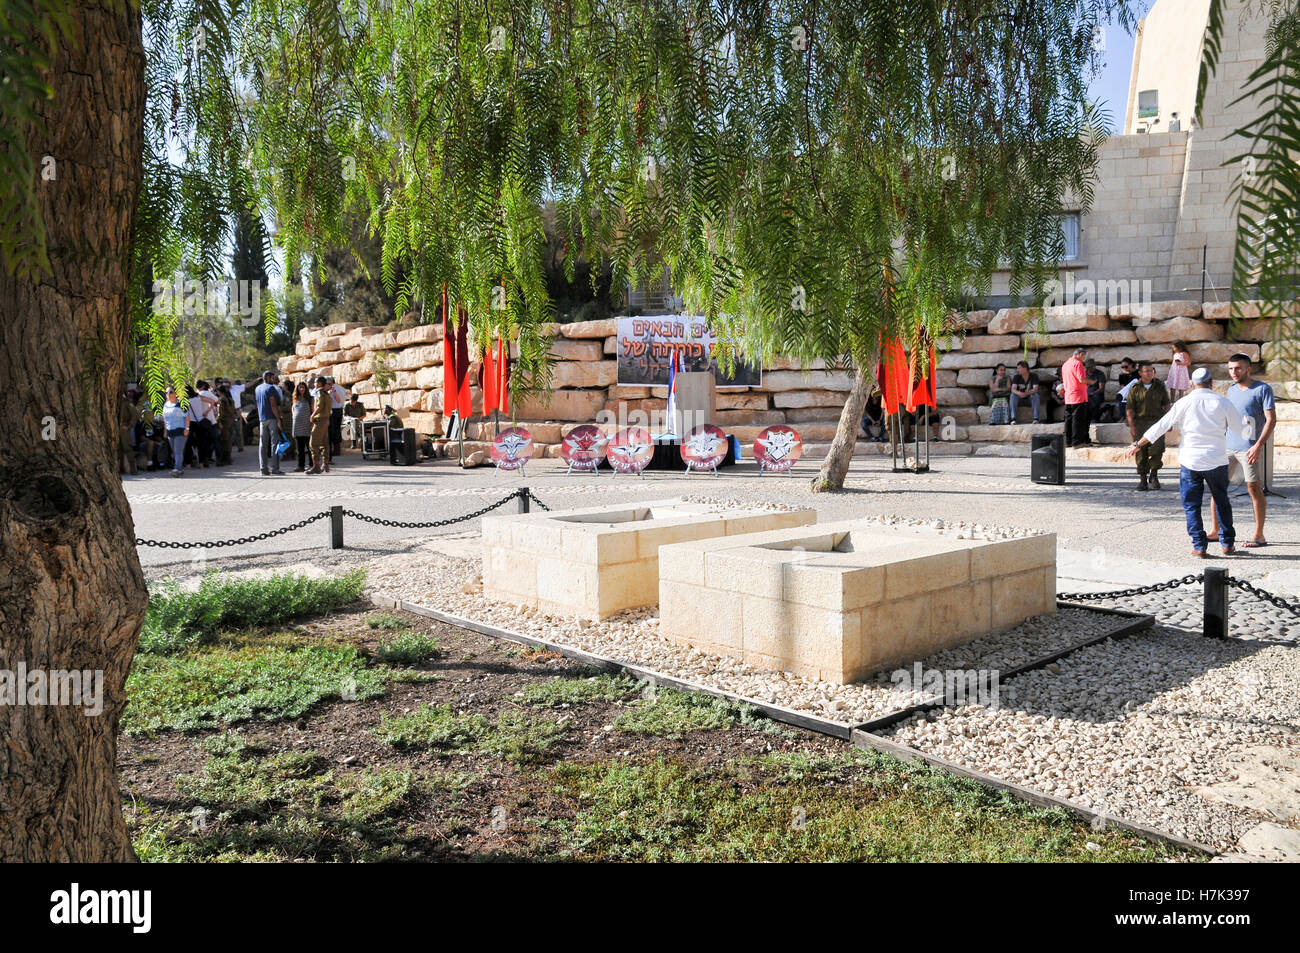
[(585, 376)]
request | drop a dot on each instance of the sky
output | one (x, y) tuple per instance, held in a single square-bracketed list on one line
[(1111, 82)]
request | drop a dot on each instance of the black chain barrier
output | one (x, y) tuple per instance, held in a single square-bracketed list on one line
[(1138, 590), (1244, 586), (234, 542), (434, 523), (533, 496)]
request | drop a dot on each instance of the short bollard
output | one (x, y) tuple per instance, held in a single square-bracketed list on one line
[(336, 527), (1215, 622), (522, 493)]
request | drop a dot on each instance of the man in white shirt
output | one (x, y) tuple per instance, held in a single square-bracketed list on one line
[(237, 392), (1204, 419), (338, 397)]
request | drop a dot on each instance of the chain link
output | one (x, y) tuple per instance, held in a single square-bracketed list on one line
[(1138, 590), (234, 542), (533, 496), (1244, 586), (435, 523)]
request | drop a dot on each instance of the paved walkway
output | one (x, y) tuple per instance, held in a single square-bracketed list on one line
[(1109, 535)]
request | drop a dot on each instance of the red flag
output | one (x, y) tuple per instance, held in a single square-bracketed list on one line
[(462, 366), (488, 374), (503, 376), (923, 390), (893, 376), (449, 388)]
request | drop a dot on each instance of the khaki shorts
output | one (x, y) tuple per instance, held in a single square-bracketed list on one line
[(1239, 471)]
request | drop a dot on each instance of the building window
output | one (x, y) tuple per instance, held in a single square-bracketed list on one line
[(1070, 231)]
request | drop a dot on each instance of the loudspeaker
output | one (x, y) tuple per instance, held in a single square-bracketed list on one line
[(404, 447), (1047, 458)]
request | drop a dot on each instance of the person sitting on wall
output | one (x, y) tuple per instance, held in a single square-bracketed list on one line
[(1055, 396), (1024, 386), (999, 394), (873, 419), (1096, 389), (354, 412)]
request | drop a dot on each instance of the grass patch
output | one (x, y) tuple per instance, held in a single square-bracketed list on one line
[(223, 685), (177, 620), (388, 621), (669, 811), (247, 805), (579, 691), (408, 648), (670, 713), (513, 736)]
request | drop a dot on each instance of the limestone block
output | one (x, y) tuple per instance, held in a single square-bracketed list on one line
[(962, 416), (308, 335), (813, 415), (976, 319), (346, 374), (780, 363), (1258, 329), (907, 576), (1010, 433), (579, 374), (978, 376), (611, 345), (1055, 357), (955, 361), (329, 357), (1139, 313), (944, 378), (813, 380), (428, 424), (742, 400), (590, 329), (420, 334), (1079, 339), (960, 396), (627, 586), (1180, 329), (566, 349), (1224, 310), (808, 398), (1012, 556), (961, 612), (354, 337), (1218, 352), (413, 358), (622, 392), (304, 350), (1018, 597), (1014, 320), (1075, 317), (747, 418), (565, 405), (987, 343)]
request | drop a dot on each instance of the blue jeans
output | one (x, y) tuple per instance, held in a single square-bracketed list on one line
[(1192, 483), (1015, 403)]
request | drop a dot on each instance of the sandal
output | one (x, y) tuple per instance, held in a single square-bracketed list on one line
[(1253, 544)]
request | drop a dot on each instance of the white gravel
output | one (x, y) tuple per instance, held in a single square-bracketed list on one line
[(1134, 729)]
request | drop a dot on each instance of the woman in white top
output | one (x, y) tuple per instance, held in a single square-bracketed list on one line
[(176, 424)]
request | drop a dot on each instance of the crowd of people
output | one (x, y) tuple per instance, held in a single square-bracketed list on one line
[(201, 429)]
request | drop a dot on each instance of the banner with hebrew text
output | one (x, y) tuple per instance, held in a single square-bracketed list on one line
[(646, 344)]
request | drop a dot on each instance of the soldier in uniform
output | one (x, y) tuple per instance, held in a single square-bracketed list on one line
[(320, 429), (1148, 401), (226, 416)]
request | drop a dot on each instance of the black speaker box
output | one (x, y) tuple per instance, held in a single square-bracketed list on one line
[(1047, 458), (404, 447)]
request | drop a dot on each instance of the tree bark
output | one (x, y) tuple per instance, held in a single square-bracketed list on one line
[(72, 595), (836, 465)]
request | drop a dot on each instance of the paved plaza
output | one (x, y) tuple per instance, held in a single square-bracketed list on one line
[(1108, 534)]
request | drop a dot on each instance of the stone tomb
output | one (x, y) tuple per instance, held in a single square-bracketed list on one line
[(840, 601), (600, 560)]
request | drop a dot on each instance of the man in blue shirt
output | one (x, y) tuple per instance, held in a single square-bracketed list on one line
[(1254, 400), (268, 415)]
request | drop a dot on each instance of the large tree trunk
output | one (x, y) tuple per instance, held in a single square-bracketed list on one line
[(72, 595), (836, 465)]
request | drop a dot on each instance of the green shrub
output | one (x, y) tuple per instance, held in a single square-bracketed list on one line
[(409, 648), (178, 620), (580, 691), (514, 736), (384, 620), (672, 713)]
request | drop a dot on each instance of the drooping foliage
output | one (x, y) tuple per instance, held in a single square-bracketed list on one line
[(813, 172)]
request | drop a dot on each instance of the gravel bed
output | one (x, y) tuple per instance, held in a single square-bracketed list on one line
[(1132, 728), (1249, 617)]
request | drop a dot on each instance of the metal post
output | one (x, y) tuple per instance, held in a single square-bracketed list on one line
[(522, 493), (1215, 622), (336, 527)]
